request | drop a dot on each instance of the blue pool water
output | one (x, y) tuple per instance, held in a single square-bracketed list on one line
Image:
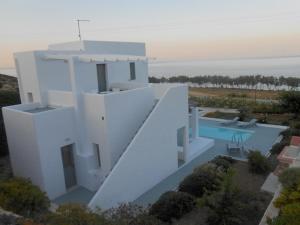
[(223, 133)]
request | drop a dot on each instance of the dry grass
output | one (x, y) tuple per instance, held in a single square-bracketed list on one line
[(222, 92), (8, 83)]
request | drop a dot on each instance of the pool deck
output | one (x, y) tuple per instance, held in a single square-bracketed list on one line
[(263, 138)]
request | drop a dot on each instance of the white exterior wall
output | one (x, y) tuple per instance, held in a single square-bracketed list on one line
[(120, 121), (97, 132), (60, 98), (35, 140), (27, 76), (23, 147), (152, 153), (54, 129), (52, 75), (120, 72), (125, 113)]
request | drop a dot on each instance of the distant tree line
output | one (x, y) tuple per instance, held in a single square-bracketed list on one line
[(249, 82)]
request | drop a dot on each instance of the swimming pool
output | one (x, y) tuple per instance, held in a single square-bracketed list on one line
[(224, 133)]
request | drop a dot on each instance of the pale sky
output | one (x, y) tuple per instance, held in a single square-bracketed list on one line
[(171, 29)]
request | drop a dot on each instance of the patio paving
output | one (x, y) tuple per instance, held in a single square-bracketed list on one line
[(263, 139), (271, 184), (79, 195)]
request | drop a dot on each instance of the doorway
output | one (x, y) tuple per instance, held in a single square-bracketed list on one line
[(101, 77), (69, 166)]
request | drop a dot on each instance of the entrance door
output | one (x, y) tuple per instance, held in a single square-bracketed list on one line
[(68, 164), (101, 77)]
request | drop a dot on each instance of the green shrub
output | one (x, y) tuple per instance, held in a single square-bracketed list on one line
[(290, 178), (277, 148), (297, 126), (290, 101), (244, 111), (258, 163), (289, 215), (22, 197), (172, 205), (130, 214), (75, 214), (205, 179), (290, 132), (223, 162)]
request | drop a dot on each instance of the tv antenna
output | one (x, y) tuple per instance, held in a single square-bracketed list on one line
[(78, 24)]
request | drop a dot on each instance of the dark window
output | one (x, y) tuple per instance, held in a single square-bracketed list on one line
[(97, 153), (132, 71)]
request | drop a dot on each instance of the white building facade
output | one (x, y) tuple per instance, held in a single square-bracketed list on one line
[(90, 118)]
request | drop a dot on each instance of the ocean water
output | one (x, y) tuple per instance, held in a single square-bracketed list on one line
[(285, 66), (8, 71)]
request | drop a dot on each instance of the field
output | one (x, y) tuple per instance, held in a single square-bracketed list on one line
[(229, 92)]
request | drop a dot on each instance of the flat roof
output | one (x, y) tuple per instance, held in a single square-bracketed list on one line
[(38, 110)]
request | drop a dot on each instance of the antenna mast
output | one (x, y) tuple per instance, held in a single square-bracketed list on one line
[(78, 24)]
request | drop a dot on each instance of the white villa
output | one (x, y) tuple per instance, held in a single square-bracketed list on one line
[(89, 118)]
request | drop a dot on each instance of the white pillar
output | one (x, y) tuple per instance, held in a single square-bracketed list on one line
[(194, 122)]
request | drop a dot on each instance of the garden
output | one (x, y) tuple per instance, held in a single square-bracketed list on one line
[(222, 191)]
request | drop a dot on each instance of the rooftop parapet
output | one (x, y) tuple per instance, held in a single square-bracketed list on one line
[(102, 47)]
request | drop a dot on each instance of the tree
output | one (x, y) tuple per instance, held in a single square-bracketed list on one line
[(172, 205), (205, 179), (231, 206), (225, 205), (258, 163), (290, 101), (22, 197), (76, 214)]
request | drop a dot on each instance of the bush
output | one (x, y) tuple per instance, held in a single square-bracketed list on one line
[(172, 205), (290, 132), (244, 111), (130, 214), (289, 215), (75, 214), (297, 126), (258, 163), (22, 197), (289, 204), (290, 178), (205, 179), (223, 162), (290, 101), (277, 148)]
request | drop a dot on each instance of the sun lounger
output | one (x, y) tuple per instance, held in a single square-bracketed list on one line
[(251, 123), (230, 122), (233, 148)]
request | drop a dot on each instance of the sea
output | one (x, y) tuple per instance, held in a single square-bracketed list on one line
[(281, 66)]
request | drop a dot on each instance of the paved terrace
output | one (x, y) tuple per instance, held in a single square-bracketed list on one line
[(263, 138)]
